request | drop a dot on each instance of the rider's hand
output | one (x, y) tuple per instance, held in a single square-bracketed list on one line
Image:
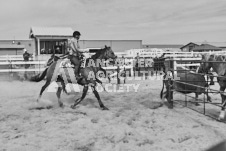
[(82, 55)]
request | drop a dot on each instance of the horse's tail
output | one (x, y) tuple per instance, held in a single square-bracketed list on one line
[(161, 94), (39, 77)]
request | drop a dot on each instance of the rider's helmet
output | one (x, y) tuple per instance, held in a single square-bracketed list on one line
[(76, 33)]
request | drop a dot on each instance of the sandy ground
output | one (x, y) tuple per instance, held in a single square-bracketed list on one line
[(135, 122)]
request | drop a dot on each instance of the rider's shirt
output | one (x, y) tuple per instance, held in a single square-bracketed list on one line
[(73, 46)]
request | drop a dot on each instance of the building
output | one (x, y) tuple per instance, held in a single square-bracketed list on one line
[(206, 48), (11, 49), (221, 45), (145, 52), (188, 47), (49, 40), (117, 46), (15, 47), (169, 47), (198, 47)]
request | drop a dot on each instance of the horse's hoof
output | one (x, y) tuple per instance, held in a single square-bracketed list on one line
[(197, 104), (105, 108), (170, 106), (221, 116), (73, 106), (61, 105)]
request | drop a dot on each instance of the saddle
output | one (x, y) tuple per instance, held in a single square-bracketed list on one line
[(66, 63)]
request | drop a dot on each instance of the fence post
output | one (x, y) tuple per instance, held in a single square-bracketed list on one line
[(39, 66), (132, 66), (10, 72), (207, 95), (174, 67), (145, 75), (124, 64), (124, 74), (169, 99), (118, 80), (186, 103)]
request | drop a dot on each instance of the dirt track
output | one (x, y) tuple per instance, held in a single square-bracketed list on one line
[(134, 122)]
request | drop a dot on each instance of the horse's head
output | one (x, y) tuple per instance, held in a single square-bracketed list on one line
[(206, 63), (108, 54)]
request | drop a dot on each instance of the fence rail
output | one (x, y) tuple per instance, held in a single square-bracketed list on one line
[(11, 58), (22, 70), (206, 90)]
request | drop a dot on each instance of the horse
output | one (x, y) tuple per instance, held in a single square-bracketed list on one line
[(54, 73), (186, 77), (218, 64), (53, 58)]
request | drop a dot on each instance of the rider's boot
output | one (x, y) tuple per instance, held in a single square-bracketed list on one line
[(77, 72)]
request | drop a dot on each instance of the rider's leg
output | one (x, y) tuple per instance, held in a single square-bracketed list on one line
[(76, 62)]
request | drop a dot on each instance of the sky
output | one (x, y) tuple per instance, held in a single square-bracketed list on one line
[(152, 21)]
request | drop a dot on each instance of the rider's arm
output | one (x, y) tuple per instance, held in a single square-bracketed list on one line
[(75, 47)]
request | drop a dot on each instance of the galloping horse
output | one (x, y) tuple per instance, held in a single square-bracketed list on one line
[(53, 58), (54, 73), (218, 64)]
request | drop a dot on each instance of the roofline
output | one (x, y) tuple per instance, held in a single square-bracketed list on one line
[(188, 44), (207, 49), (163, 44), (15, 39), (110, 40), (52, 36)]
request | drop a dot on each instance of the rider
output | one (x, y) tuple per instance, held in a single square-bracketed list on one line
[(74, 53)]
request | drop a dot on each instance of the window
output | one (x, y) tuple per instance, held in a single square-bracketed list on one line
[(190, 48), (50, 47)]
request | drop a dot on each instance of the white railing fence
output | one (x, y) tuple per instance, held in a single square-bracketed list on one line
[(172, 54)]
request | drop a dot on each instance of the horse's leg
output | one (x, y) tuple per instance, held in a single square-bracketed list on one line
[(98, 98), (170, 101), (222, 114), (85, 89), (222, 95), (59, 90), (60, 79), (100, 82), (211, 79), (169, 97), (196, 99), (43, 89), (208, 97), (64, 87)]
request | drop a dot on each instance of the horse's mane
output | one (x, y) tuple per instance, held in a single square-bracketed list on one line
[(217, 63), (98, 53), (217, 57)]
